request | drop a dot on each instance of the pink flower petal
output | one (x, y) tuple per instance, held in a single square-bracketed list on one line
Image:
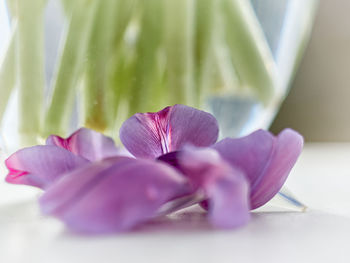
[(265, 159), (225, 187), (87, 143), (41, 165), (150, 135), (112, 195)]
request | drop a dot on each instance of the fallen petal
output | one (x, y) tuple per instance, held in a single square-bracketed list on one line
[(112, 195), (87, 143), (225, 187), (265, 159), (149, 135), (40, 166), (229, 203)]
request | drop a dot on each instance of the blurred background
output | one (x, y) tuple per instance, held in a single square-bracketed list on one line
[(318, 103)]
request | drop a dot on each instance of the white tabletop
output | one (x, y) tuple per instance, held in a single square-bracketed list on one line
[(321, 179)]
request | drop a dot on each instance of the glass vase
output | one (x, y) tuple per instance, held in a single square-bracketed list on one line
[(84, 63), (88, 63)]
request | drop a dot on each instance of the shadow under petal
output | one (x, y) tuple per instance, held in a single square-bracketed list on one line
[(193, 219)]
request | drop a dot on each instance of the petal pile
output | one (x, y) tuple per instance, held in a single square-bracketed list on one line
[(224, 187), (41, 165), (112, 195), (93, 187)]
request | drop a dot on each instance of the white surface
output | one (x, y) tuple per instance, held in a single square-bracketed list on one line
[(321, 179)]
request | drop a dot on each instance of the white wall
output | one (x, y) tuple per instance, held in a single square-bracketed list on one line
[(319, 102)]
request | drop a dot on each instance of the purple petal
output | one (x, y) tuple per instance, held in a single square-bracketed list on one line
[(87, 143), (112, 195), (41, 165), (229, 203), (150, 135), (265, 159), (225, 188)]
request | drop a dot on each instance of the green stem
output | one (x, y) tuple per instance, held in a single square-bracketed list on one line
[(250, 53), (69, 69), (8, 73), (68, 6), (30, 46), (122, 71), (206, 11), (179, 23), (159, 97), (121, 64), (99, 47), (142, 94)]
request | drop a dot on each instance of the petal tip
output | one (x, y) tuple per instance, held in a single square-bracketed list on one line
[(291, 134)]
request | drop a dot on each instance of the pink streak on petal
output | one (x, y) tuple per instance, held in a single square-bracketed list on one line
[(41, 165), (86, 143), (158, 123), (14, 176), (149, 135)]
